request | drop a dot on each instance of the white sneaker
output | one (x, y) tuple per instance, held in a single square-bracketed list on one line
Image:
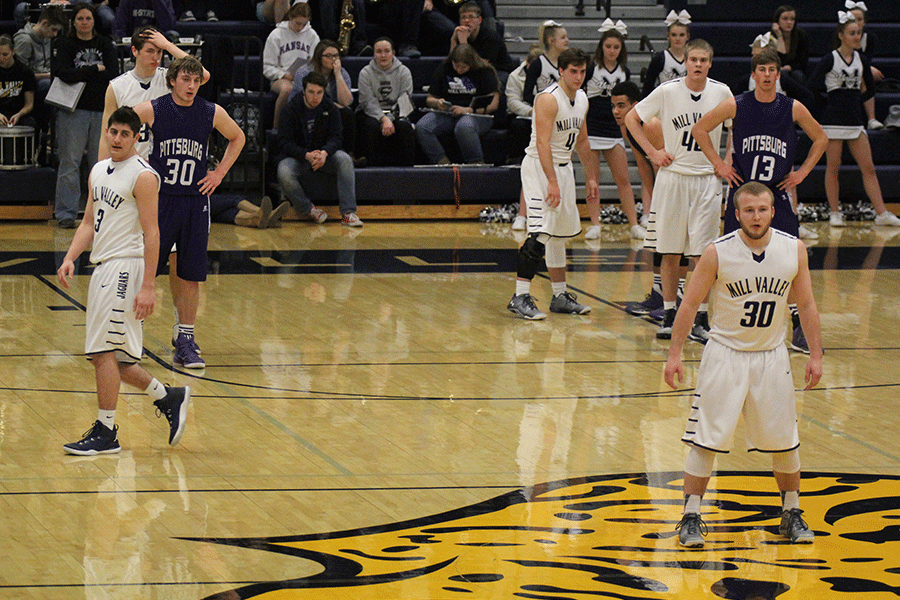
[(874, 124), (836, 219), (808, 234), (887, 219), (519, 223), (593, 232), (638, 232), (645, 220)]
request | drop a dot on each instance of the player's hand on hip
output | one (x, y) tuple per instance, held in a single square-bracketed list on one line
[(673, 368), (661, 158), (65, 273), (553, 196), (143, 303), (813, 372), (727, 172), (793, 179), (209, 183)]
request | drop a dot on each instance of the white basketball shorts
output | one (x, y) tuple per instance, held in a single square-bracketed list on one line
[(686, 213), (111, 325), (562, 221)]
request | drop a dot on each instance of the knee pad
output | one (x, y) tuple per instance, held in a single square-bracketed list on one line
[(699, 462), (530, 255), (786, 462), (555, 254)]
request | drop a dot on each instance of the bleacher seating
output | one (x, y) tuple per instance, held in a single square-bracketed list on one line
[(808, 11)]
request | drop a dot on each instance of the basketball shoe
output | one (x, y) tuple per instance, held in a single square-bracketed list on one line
[(185, 355), (700, 330), (691, 530), (795, 528), (523, 306), (174, 406), (665, 330), (99, 439), (566, 303), (651, 302)]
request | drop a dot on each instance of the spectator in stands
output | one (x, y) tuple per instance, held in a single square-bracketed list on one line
[(519, 109), (669, 64), (232, 209), (440, 19), (388, 137), (81, 56), (22, 9), (33, 45), (792, 43), (842, 74), (132, 14), (308, 147), (867, 42), (17, 85), (326, 61), (462, 97), (543, 72), (487, 42), (608, 68), (288, 48), (192, 9)]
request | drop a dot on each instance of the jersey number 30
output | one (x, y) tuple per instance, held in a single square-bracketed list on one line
[(759, 314), (179, 172)]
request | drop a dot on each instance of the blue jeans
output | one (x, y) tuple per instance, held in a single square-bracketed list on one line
[(76, 133), (294, 174), (468, 131)]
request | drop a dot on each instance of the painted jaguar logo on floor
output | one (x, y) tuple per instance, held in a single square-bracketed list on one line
[(611, 536)]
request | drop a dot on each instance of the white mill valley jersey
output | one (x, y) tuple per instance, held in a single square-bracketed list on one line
[(569, 118), (117, 226), (678, 109), (130, 90), (750, 293)]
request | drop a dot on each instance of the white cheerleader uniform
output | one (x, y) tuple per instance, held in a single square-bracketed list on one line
[(603, 132)]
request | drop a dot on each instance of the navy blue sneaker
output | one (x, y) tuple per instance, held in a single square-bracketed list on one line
[(99, 439)]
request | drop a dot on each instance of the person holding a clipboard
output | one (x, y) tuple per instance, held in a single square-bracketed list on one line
[(462, 98), (83, 59)]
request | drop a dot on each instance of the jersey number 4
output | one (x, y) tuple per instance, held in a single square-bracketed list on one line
[(759, 314), (570, 141)]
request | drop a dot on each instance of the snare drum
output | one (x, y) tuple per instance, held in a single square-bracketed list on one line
[(17, 147)]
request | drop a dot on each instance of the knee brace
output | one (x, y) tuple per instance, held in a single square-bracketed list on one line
[(786, 462), (555, 253), (530, 255), (699, 462)]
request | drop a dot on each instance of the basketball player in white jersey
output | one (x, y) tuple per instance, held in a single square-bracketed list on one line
[(146, 81), (548, 186), (121, 221), (687, 199), (745, 367)]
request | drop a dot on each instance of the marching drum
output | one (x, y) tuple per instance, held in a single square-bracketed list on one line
[(17, 147)]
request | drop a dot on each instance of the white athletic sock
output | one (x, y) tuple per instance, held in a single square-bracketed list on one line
[(704, 307), (667, 305), (185, 329), (559, 287), (681, 287), (791, 500), (691, 504), (156, 390), (522, 287), (107, 417)]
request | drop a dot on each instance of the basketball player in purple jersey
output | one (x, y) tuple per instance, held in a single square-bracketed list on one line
[(181, 124), (764, 140)]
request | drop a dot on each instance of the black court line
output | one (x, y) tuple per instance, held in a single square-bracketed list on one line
[(439, 260), (262, 490)]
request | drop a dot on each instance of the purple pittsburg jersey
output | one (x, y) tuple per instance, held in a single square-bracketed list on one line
[(180, 139), (764, 137)]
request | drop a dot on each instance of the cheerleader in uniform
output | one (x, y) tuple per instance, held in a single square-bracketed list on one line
[(543, 72), (867, 42), (608, 69), (842, 75), (669, 64)]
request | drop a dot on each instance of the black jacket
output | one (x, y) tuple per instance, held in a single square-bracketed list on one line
[(293, 138)]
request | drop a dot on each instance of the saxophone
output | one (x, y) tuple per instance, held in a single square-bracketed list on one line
[(347, 25)]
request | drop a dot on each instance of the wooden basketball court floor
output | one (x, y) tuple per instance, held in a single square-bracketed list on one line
[(373, 423)]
